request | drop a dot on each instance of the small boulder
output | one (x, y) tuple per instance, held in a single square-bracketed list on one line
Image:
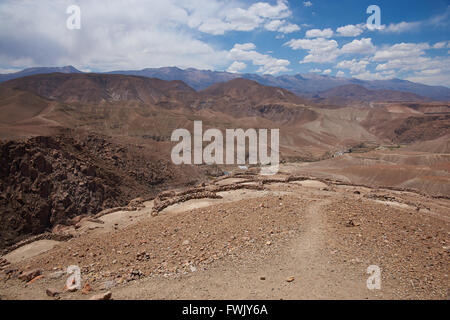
[(27, 276), (51, 292), (86, 288), (290, 279), (102, 296)]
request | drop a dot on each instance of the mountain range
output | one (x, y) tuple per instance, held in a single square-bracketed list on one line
[(306, 85), (78, 143)]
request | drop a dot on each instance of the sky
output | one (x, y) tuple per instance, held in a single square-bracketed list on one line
[(273, 37)]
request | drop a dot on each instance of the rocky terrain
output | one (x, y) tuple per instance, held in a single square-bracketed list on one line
[(86, 180), (307, 85), (47, 181), (288, 237)]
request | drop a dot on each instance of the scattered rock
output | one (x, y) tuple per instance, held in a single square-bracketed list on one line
[(102, 296), (51, 292), (141, 256), (3, 263), (350, 223), (56, 275), (290, 279), (135, 275), (27, 276), (108, 285), (86, 288), (35, 279)]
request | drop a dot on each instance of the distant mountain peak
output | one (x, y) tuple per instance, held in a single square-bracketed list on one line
[(301, 84)]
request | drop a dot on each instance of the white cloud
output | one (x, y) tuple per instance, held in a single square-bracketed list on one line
[(266, 63), (406, 63), (429, 72), (359, 46), (274, 25), (367, 75), (327, 71), (281, 26), (266, 10), (402, 27), (355, 66), (350, 30), (440, 79), (322, 50), (319, 50), (405, 58), (289, 28), (315, 70), (340, 74), (317, 33), (236, 66), (401, 50), (128, 34), (244, 46), (307, 3), (441, 45), (123, 36), (224, 17)]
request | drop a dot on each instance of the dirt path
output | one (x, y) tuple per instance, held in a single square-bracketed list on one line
[(305, 258), (248, 244)]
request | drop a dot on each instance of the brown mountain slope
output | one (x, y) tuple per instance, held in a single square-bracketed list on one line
[(353, 94), (46, 181), (96, 88), (243, 89), (139, 114)]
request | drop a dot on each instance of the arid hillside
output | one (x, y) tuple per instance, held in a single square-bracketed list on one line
[(77, 144)]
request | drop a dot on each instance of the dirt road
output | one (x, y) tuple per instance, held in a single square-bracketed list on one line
[(297, 240)]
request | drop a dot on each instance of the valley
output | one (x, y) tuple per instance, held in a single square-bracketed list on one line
[(87, 180)]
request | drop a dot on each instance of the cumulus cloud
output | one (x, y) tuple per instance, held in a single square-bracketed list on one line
[(274, 25), (362, 46), (402, 27), (401, 50), (267, 64), (350, 30), (281, 26), (441, 45), (236, 66), (327, 71), (355, 66), (411, 57), (225, 17), (367, 75), (307, 3), (322, 50), (319, 50), (317, 33), (340, 74), (128, 34), (117, 35), (289, 28)]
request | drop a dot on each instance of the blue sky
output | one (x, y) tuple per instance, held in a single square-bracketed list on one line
[(266, 37)]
